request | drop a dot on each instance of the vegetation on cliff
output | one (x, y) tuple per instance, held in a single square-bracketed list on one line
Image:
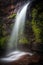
[(35, 26)]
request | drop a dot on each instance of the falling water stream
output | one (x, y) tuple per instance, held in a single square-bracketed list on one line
[(17, 29)]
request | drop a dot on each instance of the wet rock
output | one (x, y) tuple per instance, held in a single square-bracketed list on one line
[(24, 60)]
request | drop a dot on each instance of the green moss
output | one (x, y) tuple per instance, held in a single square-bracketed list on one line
[(35, 26), (34, 13), (11, 16), (23, 41), (3, 40), (36, 31)]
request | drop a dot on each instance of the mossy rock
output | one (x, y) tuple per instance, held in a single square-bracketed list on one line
[(23, 41)]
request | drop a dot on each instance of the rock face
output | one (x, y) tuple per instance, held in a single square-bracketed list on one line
[(24, 60), (7, 6)]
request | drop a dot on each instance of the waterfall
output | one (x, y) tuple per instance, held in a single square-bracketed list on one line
[(18, 28)]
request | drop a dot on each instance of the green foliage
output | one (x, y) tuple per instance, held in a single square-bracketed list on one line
[(3, 40), (23, 40), (35, 25), (36, 31), (34, 13), (11, 16)]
